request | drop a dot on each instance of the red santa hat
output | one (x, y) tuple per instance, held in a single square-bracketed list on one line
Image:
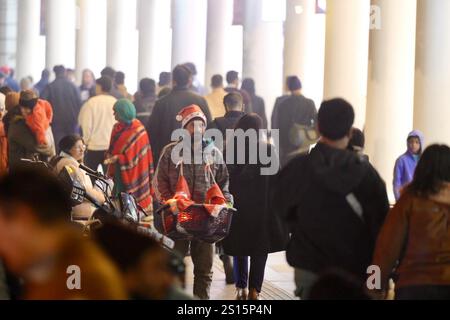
[(190, 113), (5, 70)]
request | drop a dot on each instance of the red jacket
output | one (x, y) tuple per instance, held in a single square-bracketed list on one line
[(39, 121)]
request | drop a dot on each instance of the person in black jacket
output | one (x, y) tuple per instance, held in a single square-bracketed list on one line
[(256, 230), (258, 104), (145, 99), (295, 110), (234, 105), (163, 121), (233, 86), (65, 99), (333, 201)]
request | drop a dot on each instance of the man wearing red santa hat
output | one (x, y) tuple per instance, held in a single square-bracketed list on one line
[(200, 176)]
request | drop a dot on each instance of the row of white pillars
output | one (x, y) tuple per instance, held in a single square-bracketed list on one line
[(386, 102)]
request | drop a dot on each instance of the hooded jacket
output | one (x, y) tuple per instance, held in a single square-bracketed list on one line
[(334, 204), (416, 232), (405, 166)]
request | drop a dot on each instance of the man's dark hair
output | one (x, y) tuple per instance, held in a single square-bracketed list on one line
[(68, 142), (433, 170), (60, 71), (119, 78), (217, 81), (293, 83), (358, 138), (108, 72), (232, 76), (181, 75), (233, 101), (5, 90), (248, 85), (45, 74), (147, 87), (105, 83), (336, 118), (192, 68), (38, 189), (164, 79)]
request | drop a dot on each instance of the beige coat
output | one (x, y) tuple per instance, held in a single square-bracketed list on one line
[(215, 102), (97, 120)]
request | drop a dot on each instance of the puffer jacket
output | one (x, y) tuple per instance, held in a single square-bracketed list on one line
[(417, 233), (197, 176)]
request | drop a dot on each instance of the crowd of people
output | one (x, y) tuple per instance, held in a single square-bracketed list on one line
[(327, 207)]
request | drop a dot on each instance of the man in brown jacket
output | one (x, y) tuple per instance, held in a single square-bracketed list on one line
[(199, 182), (39, 245)]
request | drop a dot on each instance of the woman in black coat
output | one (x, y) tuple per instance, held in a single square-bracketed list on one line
[(258, 105), (255, 230)]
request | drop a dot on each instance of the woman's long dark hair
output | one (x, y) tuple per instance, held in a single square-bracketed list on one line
[(248, 122), (432, 171), (248, 85)]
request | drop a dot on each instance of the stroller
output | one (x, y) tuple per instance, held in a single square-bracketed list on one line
[(180, 218)]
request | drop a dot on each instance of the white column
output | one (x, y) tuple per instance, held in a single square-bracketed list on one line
[(391, 84), (432, 110), (28, 34), (304, 46), (121, 27), (61, 33), (91, 36), (8, 32), (263, 48), (154, 38), (220, 18), (189, 34), (347, 45)]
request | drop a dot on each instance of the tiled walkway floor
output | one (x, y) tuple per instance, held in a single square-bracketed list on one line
[(278, 285)]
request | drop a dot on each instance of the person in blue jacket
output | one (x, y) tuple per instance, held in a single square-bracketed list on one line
[(406, 164)]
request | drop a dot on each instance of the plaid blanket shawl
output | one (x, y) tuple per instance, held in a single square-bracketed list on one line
[(132, 146)]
